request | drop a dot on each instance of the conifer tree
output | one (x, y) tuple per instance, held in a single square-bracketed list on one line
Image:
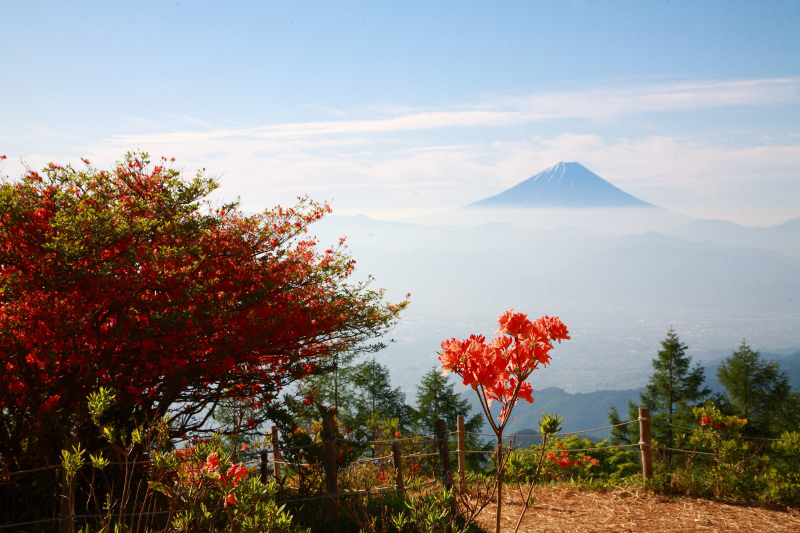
[(674, 388), (759, 391), (369, 398), (437, 398), (620, 435)]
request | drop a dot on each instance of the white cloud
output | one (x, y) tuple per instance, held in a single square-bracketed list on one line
[(602, 103)]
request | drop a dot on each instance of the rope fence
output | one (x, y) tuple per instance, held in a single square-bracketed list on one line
[(271, 460)]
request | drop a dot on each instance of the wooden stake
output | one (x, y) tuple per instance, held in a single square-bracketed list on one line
[(329, 464), (264, 466), (397, 459), (440, 429), (276, 454), (645, 443), (462, 455)]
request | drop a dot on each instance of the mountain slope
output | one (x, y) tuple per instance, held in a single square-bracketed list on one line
[(783, 238), (563, 185)]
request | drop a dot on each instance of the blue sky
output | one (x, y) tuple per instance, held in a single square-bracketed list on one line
[(400, 108)]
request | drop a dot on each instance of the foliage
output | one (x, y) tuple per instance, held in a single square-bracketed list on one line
[(331, 387), (129, 279), (366, 402), (198, 488), (621, 434), (759, 391), (783, 474), (371, 400), (437, 399), (673, 389), (430, 511)]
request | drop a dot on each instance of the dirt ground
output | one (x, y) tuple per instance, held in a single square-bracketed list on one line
[(566, 509)]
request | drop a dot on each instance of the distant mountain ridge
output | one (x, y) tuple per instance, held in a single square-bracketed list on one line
[(564, 185), (782, 238)]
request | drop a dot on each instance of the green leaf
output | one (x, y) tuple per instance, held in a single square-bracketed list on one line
[(163, 489)]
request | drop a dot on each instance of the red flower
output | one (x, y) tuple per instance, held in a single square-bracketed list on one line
[(212, 462), (51, 402), (230, 500), (234, 474)]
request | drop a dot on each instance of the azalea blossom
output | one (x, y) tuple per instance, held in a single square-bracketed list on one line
[(212, 462), (501, 367)]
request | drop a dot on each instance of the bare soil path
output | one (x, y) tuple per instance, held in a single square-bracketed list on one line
[(570, 509)]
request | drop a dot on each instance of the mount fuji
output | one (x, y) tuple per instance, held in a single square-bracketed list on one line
[(565, 185), (564, 195)]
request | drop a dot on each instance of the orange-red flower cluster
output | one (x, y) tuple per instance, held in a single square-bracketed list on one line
[(501, 367)]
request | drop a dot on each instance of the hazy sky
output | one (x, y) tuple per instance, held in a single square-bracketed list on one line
[(397, 108)]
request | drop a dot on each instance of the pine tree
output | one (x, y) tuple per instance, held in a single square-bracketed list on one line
[(759, 391), (437, 399), (330, 386), (674, 388), (621, 434), (369, 399)]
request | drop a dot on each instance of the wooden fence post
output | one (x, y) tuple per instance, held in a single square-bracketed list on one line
[(645, 443), (276, 454), (440, 429), (264, 466), (462, 454), (329, 464), (397, 459), (66, 523)]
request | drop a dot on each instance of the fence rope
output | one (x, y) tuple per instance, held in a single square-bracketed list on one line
[(660, 423), (40, 469), (390, 441), (32, 522), (684, 451), (578, 449), (517, 450), (550, 436)]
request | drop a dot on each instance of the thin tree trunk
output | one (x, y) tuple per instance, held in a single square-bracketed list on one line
[(499, 480)]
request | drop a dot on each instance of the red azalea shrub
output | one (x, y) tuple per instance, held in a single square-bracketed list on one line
[(128, 279), (498, 371)]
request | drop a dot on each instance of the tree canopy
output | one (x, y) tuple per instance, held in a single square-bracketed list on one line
[(129, 278), (437, 399), (673, 389), (759, 391), (370, 400)]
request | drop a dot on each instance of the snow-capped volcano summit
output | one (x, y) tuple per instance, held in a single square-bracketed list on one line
[(562, 185)]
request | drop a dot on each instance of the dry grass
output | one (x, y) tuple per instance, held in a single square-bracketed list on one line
[(562, 508)]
